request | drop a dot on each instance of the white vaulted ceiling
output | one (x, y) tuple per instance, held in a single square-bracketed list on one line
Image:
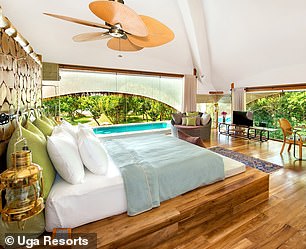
[(248, 42)]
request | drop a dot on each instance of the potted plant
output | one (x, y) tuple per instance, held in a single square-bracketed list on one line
[(224, 116)]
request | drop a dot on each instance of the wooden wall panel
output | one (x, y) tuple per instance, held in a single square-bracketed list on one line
[(20, 78)]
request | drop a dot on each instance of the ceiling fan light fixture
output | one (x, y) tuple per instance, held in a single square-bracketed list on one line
[(116, 31), (119, 1), (128, 30)]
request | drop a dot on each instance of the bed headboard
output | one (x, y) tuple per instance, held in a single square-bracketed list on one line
[(20, 77)]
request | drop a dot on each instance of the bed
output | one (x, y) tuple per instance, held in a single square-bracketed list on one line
[(99, 197)]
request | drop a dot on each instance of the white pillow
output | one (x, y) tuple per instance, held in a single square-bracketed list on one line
[(205, 118), (64, 154), (80, 125), (58, 129), (93, 154), (73, 130), (86, 128)]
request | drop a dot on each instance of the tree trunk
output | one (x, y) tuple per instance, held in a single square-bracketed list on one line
[(96, 120)]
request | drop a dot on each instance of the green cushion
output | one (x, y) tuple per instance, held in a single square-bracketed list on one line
[(33, 228), (43, 126), (53, 121), (38, 146), (191, 121), (47, 120), (192, 114), (30, 127)]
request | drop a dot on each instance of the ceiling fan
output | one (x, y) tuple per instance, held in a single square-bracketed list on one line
[(128, 30)]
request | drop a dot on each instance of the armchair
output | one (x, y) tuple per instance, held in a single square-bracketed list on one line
[(203, 130), (288, 133)]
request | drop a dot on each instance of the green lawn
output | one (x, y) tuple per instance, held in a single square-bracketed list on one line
[(104, 120), (82, 120)]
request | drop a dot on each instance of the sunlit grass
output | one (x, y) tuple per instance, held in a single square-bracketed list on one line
[(81, 120), (104, 120)]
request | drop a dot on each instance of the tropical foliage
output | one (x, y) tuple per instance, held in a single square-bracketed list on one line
[(289, 105), (117, 108)]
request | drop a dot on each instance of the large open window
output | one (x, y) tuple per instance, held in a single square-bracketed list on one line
[(168, 90), (118, 97), (215, 105), (269, 106)]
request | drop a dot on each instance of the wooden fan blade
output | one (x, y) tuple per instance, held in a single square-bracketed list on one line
[(113, 13), (122, 45), (93, 36), (79, 21), (159, 34)]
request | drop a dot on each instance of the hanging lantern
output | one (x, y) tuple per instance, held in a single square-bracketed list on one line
[(22, 187)]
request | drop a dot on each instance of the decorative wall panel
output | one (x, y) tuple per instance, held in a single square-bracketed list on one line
[(20, 77)]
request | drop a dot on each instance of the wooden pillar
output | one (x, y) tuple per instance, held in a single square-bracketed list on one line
[(232, 88), (218, 95), (216, 109)]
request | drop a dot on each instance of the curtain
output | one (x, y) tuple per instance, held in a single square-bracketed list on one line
[(190, 93), (238, 99)]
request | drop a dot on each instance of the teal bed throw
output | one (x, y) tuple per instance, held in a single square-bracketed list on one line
[(156, 168)]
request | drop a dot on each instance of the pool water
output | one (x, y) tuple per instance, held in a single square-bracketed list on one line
[(131, 128), (227, 119)]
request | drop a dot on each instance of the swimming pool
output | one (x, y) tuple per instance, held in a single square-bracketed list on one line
[(131, 128)]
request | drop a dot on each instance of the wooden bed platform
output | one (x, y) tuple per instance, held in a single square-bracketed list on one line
[(200, 210)]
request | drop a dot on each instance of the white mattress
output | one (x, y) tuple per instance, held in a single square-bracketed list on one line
[(232, 167), (98, 197), (70, 206)]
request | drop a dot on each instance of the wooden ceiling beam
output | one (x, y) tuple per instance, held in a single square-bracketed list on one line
[(286, 87), (119, 71)]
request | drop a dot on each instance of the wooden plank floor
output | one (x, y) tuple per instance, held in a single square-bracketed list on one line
[(277, 223), (203, 209), (179, 220)]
